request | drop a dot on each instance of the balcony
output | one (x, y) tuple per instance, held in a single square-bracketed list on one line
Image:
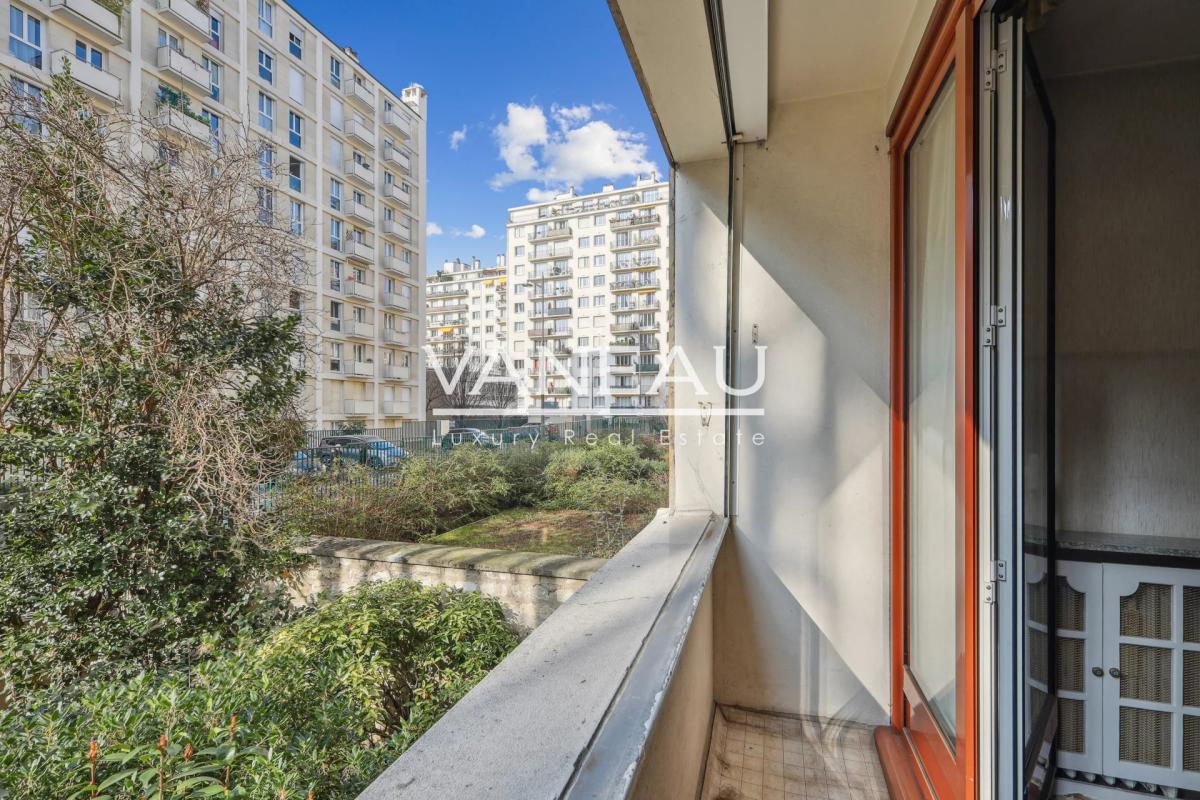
[(176, 120), (623, 345), (175, 62), (399, 158), (358, 251), (624, 327), (183, 12), (628, 265), (634, 221), (562, 291), (393, 191), (395, 265), (553, 253), (395, 372), (448, 308), (621, 369), (550, 275), (651, 367), (550, 333), (102, 84), (358, 408), (360, 171), (397, 337), (435, 293), (624, 389), (393, 300), (635, 286), (550, 313), (357, 329), (360, 211), (630, 308), (359, 93), (397, 230), (396, 408), (552, 233), (96, 18), (358, 130), (398, 123), (358, 289), (358, 369), (634, 242)]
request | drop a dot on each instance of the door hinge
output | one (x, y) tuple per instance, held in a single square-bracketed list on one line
[(997, 63), (997, 318), (997, 573)]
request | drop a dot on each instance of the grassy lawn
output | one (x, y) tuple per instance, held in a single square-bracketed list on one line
[(533, 531)]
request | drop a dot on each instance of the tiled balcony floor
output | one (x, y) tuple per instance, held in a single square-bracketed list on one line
[(762, 757)]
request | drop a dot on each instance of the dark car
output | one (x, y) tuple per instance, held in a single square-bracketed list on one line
[(460, 436), (370, 451)]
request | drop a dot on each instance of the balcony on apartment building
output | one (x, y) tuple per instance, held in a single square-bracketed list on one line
[(358, 289), (97, 82), (394, 191), (352, 327), (397, 230), (621, 367), (558, 273), (627, 308), (363, 212), (624, 221), (360, 171), (102, 21), (192, 18), (448, 308), (547, 293), (175, 62), (396, 408), (550, 312), (396, 266), (623, 344), (174, 119), (358, 250), (630, 264), (630, 285), (543, 332), (647, 367), (633, 242), (619, 386), (394, 300), (398, 123), (358, 369), (395, 372), (358, 408), (446, 291), (399, 158), (359, 131), (397, 337), (359, 93), (551, 253), (559, 230)]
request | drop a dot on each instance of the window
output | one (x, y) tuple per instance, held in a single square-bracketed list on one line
[(25, 36), (598, 220), (296, 216), (582, 262), (295, 129), (519, 308), (169, 40), (89, 54), (337, 156), (598, 280), (582, 302), (583, 341), (296, 43), (266, 66), (584, 241), (296, 85), (519, 269), (266, 112), (519, 250), (335, 194), (295, 174), (266, 204), (266, 160), (266, 17), (335, 72), (24, 89), (584, 282), (214, 77), (335, 234), (598, 261), (598, 241), (335, 113), (216, 30)]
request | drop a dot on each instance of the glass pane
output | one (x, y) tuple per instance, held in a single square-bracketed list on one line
[(932, 574)]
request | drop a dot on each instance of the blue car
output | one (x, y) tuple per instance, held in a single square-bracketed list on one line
[(370, 451)]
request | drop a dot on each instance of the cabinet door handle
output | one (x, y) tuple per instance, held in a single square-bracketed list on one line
[(1116, 673), (1098, 672)]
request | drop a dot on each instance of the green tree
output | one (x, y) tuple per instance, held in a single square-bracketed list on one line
[(155, 393)]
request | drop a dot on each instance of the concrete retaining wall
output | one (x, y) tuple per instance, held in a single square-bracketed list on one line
[(530, 586)]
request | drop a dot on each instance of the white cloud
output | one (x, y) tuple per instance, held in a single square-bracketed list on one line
[(433, 229), (474, 232), (580, 150), (537, 195), (458, 137)]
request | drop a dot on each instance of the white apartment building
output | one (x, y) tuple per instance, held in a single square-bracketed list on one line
[(466, 309), (350, 155), (589, 282)]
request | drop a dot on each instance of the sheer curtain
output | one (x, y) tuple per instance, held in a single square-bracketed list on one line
[(932, 644)]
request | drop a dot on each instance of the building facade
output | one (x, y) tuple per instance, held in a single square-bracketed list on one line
[(349, 154), (588, 310), (466, 309)]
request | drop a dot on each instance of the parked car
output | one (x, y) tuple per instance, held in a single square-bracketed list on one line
[(531, 434), (460, 436), (370, 451), (306, 462)]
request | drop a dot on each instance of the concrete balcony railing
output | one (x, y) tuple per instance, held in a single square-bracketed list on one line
[(358, 289), (562, 291), (96, 18), (359, 251), (358, 408), (634, 286), (651, 240), (358, 369), (395, 265), (634, 220), (184, 12), (396, 408), (398, 123), (360, 172), (621, 369), (552, 313), (552, 233), (359, 93), (175, 62), (393, 300), (436, 292), (180, 122), (358, 130), (610, 697), (395, 372), (393, 191), (562, 251), (352, 327), (646, 262), (96, 81), (360, 211), (550, 275), (397, 157), (397, 230), (448, 308), (401, 338)]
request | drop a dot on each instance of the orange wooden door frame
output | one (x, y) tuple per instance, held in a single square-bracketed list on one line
[(951, 767)]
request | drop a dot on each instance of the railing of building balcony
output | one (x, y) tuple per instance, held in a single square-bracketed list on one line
[(634, 220), (645, 262)]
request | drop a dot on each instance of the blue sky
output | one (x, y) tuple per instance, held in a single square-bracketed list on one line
[(540, 93)]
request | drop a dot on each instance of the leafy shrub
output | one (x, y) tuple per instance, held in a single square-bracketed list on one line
[(321, 706), (576, 476), (426, 497), (524, 469)]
